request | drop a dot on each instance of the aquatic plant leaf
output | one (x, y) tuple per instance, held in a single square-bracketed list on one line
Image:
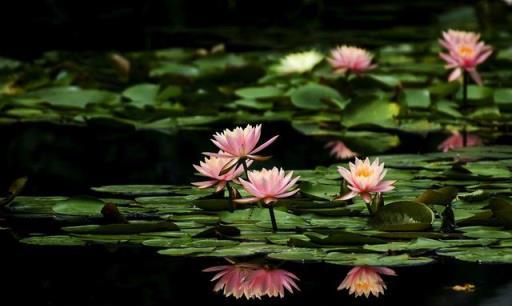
[(263, 92), (57, 240), (185, 251), (478, 95), (425, 244), (389, 81), (135, 190), (484, 255), (375, 260), (376, 112), (485, 232), (342, 238), (299, 254), (322, 191), (79, 206), (255, 215), (170, 68), (442, 196), (419, 98), (313, 96), (142, 94), (370, 142), (189, 243), (403, 216), (71, 96), (133, 227)]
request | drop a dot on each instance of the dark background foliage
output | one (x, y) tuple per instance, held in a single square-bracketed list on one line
[(31, 27)]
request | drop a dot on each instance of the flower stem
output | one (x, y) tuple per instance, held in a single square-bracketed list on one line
[(349, 89), (464, 106), (369, 207), (244, 164), (231, 207), (272, 218)]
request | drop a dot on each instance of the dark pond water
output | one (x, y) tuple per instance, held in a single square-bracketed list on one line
[(69, 160), (42, 276)]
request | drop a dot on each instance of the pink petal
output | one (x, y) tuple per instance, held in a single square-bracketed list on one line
[(266, 144), (247, 200), (347, 196), (475, 76), (456, 73)]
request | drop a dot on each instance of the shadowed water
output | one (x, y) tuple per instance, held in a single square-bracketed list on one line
[(93, 276)]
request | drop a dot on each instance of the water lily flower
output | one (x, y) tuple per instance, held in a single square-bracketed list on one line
[(271, 282), (509, 2), (211, 168), (364, 178), (456, 140), (365, 280), (268, 185), (299, 62), (240, 143), (351, 59), (465, 53), (339, 150), (232, 279), (252, 280)]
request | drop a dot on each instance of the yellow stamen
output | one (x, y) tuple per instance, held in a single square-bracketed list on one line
[(364, 171), (466, 51)]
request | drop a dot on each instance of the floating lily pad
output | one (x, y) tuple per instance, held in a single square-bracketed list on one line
[(313, 96), (376, 260), (58, 240), (79, 206), (259, 92), (129, 228), (404, 216), (135, 190)]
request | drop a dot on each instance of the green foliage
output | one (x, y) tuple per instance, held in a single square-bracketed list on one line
[(183, 221)]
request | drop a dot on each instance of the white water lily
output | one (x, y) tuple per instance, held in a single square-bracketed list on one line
[(299, 62)]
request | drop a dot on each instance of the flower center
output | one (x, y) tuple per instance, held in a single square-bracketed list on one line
[(364, 171), (466, 51), (363, 286)]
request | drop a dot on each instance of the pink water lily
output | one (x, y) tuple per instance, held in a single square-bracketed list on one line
[(456, 141), (365, 280), (232, 279), (240, 143), (252, 280), (269, 185), (465, 53), (211, 168), (271, 282), (339, 150), (351, 59), (365, 178)]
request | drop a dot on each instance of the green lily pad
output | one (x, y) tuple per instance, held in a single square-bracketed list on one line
[(256, 215), (313, 96), (259, 92), (403, 216), (129, 228), (58, 240), (377, 260), (79, 206), (480, 255), (377, 112), (135, 190)]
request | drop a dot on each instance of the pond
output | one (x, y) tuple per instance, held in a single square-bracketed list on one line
[(316, 152)]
